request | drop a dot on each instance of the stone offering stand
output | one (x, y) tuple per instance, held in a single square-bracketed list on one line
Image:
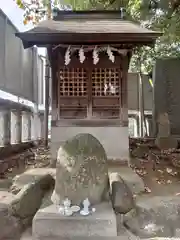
[(81, 181)]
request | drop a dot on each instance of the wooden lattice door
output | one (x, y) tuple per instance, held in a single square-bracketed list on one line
[(106, 92), (93, 93), (72, 93)]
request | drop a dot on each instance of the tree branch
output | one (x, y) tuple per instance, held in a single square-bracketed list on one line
[(175, 5)]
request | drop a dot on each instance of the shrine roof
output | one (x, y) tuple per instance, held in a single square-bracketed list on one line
[(87, 27)]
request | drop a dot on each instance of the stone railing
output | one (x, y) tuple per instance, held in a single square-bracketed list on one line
[(19, 127), (134, 124)]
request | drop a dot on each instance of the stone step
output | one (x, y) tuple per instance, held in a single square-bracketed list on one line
[(49, 223), (27, 235)]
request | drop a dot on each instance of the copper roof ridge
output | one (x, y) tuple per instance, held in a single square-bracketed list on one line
[(81, 14)]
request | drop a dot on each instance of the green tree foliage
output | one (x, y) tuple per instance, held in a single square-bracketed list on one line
[(159, 15)]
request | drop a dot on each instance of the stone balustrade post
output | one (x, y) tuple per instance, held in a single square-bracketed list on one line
[(41, 118), (16, 126), (5, 127), (26, 126)]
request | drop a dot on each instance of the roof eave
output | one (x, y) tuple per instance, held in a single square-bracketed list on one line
[(31, 38)]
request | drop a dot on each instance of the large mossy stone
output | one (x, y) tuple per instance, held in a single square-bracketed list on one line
[(10, 227), (82, 171), (26, 203), (40, 175)]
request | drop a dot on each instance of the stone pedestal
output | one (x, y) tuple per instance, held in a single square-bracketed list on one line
[(49, 224)]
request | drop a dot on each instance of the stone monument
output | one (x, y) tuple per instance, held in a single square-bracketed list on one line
[(81, 203), (82, 171)]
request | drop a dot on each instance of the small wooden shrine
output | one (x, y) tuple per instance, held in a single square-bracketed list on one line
[(89, 53)]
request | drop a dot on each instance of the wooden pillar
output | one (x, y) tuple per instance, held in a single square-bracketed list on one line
[(124, 98)]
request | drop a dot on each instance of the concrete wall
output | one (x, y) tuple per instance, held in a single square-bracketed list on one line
[(166, 92), (114, 139), (18, 67)]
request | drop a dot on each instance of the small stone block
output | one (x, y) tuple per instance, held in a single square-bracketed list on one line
[(134, 182), (48, 223), (165, 143)]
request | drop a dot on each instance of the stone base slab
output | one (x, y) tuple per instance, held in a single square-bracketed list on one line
[(48, 223)]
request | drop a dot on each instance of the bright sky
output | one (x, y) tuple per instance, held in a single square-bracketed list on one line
[(15, 14)]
